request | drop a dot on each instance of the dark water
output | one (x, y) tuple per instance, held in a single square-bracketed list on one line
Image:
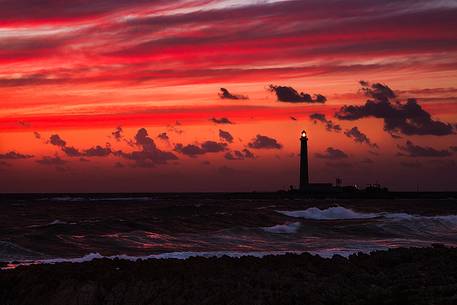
[(55, 228)]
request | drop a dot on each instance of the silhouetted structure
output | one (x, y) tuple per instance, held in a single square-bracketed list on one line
[(304, 177), (307, 187)]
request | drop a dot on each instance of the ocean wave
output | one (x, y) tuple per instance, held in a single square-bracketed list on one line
[(283, 229), (79, 199), (332, 213), (341, 213), (189, 254)]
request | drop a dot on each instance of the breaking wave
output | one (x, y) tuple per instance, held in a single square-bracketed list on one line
[(341, 213), (283, 229), (331, 213), (189, 254)]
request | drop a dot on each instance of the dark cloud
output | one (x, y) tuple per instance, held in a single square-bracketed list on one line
[(56, 140), (406, 118), (222, 120), (332, 153), (47, 160), (193, 150), (149, 155), (359, 137), (71, 151), (290, 95), (117, 133), (264, 142), (175, 129), (377, 91), (329, 125), (37, 135), (225, 136), (163, 136), (213, 147), (239, 155), (190, 150), (453, 148), (97, 151), (24, 124), (293, 118), (225, 94), (13, 155), (413, 150)]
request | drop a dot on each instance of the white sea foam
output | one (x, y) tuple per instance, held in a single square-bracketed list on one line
[(341, 213), (79, 199), (188, 254), (57, 222), (328, 214), (283, 229)]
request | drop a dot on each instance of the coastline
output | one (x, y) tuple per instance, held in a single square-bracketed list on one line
[(395, 276)]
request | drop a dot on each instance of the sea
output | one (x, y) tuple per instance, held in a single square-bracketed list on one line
[(54, 228)]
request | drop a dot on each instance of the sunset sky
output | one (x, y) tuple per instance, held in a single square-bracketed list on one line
[(211, 95)]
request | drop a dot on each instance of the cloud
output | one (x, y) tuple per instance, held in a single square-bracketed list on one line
[(332, 154), (358, 136), (225, 94), (24, 124), (56, 140), (13, 155), (222, 120), (163, 136), (97, 151), (290, 95), (225, 136), (329, 125), (406, 118), (213, 147), (190, 150), (47, 160), (264, 142), (293, 118), (117, 133), (239, 155), (413, 150), (149, 155), (377, 91), (193, 150), (37, 135), (71, 151)]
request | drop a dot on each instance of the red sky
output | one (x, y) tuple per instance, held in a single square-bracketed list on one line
[(71, 74)]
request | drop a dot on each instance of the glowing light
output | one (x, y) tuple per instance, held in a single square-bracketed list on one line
[(303, 134)]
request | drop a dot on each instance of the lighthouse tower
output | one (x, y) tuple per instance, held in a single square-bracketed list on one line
[(304, 178)]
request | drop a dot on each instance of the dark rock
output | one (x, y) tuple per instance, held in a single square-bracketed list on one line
[(400, 276)]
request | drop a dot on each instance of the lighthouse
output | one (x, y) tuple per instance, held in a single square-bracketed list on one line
[(304, 178)]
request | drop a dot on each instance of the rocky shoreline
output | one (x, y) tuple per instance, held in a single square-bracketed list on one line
[(397, 276)]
